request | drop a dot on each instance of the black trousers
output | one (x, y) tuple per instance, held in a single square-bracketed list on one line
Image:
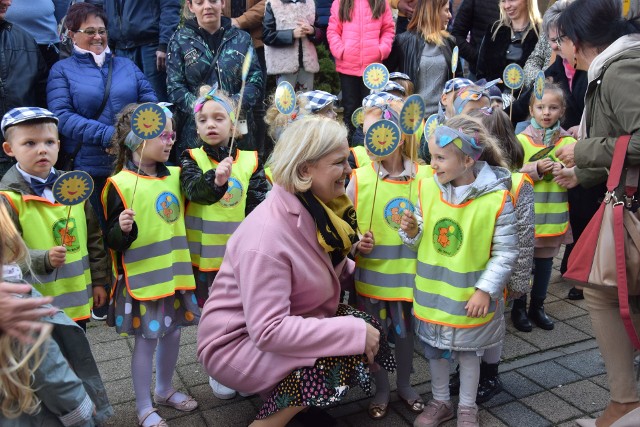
[(353, 91)]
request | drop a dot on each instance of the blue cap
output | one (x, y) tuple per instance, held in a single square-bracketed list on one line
[(26, 114)]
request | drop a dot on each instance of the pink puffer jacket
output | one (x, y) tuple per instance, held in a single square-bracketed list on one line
[(361, 41)]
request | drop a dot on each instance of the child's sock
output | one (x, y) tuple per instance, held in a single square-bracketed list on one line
[(469, 377), (404, 359), (166, 360), (141, 369), (440, 379)]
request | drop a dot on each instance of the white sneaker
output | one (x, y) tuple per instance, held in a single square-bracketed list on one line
[(245, 394), (220, 391)]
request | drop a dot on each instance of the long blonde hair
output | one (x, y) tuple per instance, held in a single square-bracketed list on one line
[(426, 21), (535, 20), (18, 360)]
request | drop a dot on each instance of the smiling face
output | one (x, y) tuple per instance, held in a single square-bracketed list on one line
[(514, 9), (329, 173), (35, 147), (207, 13), (96, 43), (450, 164), (213, 124), (157, 149), (548, 110), (445, 15)]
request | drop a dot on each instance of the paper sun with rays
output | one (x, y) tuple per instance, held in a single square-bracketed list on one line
[(454, 60), (375, 76), (430, 125), (148, 121), (72, 188), (382, 138), (285, 98), (538, 87), (357, 118), (513, 76), (411, 114)]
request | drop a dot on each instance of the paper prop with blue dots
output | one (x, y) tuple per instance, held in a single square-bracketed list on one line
[(72, 188), (285, 98), (375, 76), (148, 121), (513, 76), (538, 87), (382, 138), (411, 114)]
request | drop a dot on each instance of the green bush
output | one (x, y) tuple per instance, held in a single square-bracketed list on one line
[(327, 78)]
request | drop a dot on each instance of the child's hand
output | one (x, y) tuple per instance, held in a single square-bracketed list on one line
[(544, 166), (365, 246), (478, 304), (99, 296), (223, 171), (299, 32), (409, 223), (126, 220), (57, 256)]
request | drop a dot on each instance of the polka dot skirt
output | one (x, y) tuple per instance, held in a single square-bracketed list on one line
[(151, 319), (326, 382)]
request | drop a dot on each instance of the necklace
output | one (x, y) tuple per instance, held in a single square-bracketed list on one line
[(519, 30)]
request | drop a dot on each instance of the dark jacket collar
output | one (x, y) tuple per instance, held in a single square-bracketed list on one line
[(161, 169)]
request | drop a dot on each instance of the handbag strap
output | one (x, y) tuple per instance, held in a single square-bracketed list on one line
[(617, 164), (621, 267)]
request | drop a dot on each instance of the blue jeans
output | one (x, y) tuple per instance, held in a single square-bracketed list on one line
[(145, 58)]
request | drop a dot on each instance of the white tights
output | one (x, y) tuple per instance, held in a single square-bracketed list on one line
[(469, 376)]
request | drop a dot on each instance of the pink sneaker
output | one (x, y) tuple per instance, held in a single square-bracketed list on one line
[(468, 416), (435, 413)]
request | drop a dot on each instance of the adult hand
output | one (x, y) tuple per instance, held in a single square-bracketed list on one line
[(99, 296), (161, 60), (57, 256), (372, 343), (365, 246), (566, 154), (223, 171), (407, 7), (20, 317), (234, 22), (566, 177), (574, 131), (409, 223), (478, 304), (126, 220)]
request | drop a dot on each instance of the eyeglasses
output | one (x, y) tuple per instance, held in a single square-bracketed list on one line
[(557, 40), (91, 32), (167, 137)]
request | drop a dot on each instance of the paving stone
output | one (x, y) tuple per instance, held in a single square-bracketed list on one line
[(110, 350), (98, 332), (188, 354), (582, 323), (550, 407), (188, 335), (561, 335), (421, 372), (125, 415), (120, 391), (392, 419), (549, 374), (518, 385), (585, 395), (562, 310), (192, 374), (240, 413), (601, 380), (516, 414), (191, 420), (587, 364), (515, 346), (115, 369), (499, 399), (346, 410)]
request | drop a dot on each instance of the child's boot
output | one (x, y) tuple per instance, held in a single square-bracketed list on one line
[(519, 315), (435, 413), (490, 383), (537, 314), (468, 416)]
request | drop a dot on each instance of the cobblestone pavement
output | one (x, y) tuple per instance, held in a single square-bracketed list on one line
[(551, 378)]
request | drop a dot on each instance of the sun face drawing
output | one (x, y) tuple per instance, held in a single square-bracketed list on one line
[(411, 114), (148, 121), (285, 98), (382, 138), (513, 76), (454, 60), (430, 125), (375, 76), (72, 188), (538, 87), (357, 118)]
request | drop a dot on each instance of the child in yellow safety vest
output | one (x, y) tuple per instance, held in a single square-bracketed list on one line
[(222, 188), (464, 232), (153, 296), (551, 200), (385, 268), (68, 260)]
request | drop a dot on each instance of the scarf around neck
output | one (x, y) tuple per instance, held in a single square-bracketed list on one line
[(336, 224), (545, 136)]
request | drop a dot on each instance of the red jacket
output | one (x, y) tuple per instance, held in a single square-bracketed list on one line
[(361, 41)]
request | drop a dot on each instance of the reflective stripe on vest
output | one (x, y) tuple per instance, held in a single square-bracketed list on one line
[(453, 253), (360, 155), (157, 263), (210, 226), (551, 200), (388, 272), (43, 224)]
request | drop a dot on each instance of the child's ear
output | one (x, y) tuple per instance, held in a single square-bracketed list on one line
[(468, 162), (7, 149)]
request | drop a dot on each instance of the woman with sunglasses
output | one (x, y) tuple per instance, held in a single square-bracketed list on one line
[(86, 91)]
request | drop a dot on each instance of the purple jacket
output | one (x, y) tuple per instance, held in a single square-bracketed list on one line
[(271, 305)]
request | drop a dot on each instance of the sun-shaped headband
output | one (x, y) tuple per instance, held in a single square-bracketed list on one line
[(444, 135), (211, 96)]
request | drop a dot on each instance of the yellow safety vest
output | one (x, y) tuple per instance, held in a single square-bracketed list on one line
[(268, 175), (157, 263), (209, 227), (453, 253), (43, 224), (360, 155), (388, 272), (551, 200), (517, 180)]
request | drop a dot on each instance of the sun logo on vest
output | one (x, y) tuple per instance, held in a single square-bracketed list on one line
[(233, 195), (168, 207), (394, 210), (68, 238), (447, 237)]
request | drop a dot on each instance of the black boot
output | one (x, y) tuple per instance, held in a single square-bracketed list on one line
[(454, 382), (537, 314), (519, 315), (489, 384)]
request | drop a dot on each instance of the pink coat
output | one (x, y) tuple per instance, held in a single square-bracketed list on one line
[(271, 305), (361, 41)]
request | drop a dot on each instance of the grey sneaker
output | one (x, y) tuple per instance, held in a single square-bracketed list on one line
[(435, 413), (468, 416)]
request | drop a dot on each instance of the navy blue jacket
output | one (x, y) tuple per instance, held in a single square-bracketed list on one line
[(323, 11), (135, 23), (74, 93)]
